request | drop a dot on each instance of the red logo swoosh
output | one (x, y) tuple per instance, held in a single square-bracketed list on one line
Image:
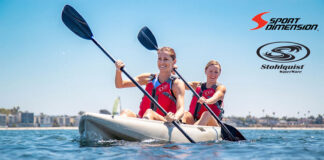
[(258, 19)]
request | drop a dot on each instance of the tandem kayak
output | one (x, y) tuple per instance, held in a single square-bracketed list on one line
[(94, 126)]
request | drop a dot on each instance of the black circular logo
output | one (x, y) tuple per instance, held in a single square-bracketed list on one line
[(283, 52)]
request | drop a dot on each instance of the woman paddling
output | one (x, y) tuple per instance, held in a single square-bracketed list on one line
[(167, 90), (212, 93)]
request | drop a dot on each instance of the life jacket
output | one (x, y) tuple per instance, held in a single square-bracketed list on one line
[(196, 109), (162, 93)]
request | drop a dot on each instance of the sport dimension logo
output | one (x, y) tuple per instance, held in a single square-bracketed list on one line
[(283, 52), (293, 23)]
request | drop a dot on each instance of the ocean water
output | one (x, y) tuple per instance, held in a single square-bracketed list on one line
[(66, 144)]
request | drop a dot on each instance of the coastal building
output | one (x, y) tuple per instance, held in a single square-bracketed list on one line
[(13, 120), (3, 118), (27, 119), (263, 121), (251, 121), (36, 121), (283, 122), (67, 121), (43, 121), (61, 121), (76, 120)]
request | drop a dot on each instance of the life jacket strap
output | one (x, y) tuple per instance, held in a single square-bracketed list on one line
[(218, 103), (153, 106), (198, 105), (172, 97)]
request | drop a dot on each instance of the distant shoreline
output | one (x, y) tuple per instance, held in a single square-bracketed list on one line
[(39, 128), (280, 128), (239, 128)]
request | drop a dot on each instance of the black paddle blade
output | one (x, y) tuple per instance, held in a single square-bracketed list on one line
[(73, 20), (147, 39), (237, 134)]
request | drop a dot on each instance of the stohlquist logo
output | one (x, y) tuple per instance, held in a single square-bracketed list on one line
[(283, 52), (292, 23)]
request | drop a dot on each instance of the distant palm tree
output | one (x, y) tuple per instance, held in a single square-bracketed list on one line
[(15, 110)]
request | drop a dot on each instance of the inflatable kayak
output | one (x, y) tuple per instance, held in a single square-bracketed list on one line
[(93, 127)]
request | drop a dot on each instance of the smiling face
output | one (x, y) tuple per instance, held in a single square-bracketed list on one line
[(212, 71), (165, 61)]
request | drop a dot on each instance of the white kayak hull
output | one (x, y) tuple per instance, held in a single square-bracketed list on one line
[(95, 126)]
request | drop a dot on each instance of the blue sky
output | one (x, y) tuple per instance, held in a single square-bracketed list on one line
[(44, 67)]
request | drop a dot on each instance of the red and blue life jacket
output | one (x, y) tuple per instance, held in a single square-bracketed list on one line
[(162, 93)]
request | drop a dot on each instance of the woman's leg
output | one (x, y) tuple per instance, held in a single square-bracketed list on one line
[(207, 119), (127, 113), (152, 115), (187, 118)]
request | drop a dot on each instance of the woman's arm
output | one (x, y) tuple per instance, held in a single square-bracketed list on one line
[(179, 92), (193, 84), (218, 95), (142, 79)]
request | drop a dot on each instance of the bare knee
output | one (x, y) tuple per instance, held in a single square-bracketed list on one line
[(127, 113), (211, 121), (152, 115), (188, 118), (187, 114), (148, 111), (148, 114), (206, 114)]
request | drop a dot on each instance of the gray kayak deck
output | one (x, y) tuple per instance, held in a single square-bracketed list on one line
[(95, 126)]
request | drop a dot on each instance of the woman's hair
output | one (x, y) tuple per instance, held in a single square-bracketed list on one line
[(169, 50), (213, 62)]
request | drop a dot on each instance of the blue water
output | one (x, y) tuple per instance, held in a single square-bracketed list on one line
[(66, 144)]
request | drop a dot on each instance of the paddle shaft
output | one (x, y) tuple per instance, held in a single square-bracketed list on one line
[(146, 94), (232, 138)]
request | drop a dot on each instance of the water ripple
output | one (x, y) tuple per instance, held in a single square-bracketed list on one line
[(66, 144)]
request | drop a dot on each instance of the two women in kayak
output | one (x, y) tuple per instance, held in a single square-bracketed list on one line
[(169, 92)]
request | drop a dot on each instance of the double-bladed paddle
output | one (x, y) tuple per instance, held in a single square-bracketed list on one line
[(74, 21), (147, 39)]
